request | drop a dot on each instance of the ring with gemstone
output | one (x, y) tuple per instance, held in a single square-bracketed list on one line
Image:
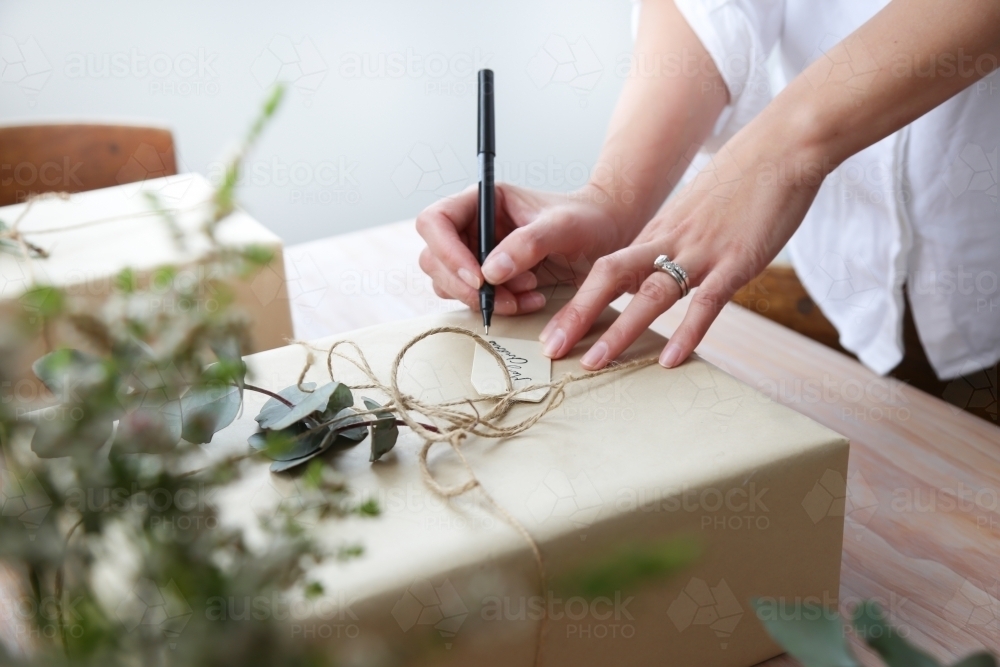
[(674, 270)]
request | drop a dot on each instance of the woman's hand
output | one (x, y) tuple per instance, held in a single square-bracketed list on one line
[(723, 228), (569, 230)]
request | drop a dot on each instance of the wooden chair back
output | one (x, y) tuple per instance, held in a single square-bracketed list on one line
[(73, 158)]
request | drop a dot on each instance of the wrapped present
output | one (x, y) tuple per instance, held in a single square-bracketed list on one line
[(687, 463), (87, 239)]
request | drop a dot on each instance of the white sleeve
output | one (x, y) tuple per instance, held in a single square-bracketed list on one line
[(739, 36)]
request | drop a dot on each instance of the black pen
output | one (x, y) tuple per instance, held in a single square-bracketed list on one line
[(486, 150)]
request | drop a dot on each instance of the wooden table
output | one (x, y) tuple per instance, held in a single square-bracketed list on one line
[(922, 533)]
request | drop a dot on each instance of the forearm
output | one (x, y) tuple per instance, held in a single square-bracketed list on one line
[(669, 104), (908, 59)]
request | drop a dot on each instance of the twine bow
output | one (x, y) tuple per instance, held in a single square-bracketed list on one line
[(454, 426)]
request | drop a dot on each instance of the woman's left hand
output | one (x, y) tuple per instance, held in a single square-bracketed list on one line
[(723, 228)]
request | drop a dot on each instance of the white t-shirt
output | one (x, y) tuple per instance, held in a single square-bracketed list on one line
[(918, 208)]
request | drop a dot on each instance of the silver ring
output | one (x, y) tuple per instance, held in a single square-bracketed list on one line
[(674, 270)]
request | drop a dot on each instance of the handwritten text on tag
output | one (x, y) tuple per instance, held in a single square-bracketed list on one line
[(525, 363)]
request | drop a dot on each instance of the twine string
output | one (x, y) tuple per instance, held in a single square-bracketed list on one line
[(455, 426), (14, 234)]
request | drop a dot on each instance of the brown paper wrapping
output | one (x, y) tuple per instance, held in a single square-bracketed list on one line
[(647, 455), (85, 260)]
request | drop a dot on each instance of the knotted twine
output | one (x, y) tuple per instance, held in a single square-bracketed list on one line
[(454, 426), (29, 250)]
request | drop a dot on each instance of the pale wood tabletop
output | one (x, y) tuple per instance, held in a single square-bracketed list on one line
[(922, 533)]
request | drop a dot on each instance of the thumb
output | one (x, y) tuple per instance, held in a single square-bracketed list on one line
[(525, 247)]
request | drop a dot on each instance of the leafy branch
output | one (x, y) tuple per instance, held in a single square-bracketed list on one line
[(818, 638)]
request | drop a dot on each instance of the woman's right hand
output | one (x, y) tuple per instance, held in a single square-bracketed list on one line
[(542, 237)]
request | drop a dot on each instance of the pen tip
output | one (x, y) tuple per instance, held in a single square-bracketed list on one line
[(487, 331)]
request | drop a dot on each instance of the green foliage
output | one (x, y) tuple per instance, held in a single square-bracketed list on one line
[(111, 479), (303, 422), (628, 567), (818, 637), (384, 430)]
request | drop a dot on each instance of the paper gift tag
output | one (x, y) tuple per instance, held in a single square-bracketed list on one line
[(525, 363)]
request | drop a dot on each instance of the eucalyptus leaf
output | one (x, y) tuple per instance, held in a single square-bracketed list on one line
[(977, 660), (55, 437), (290, 443), (869, 621), (813, 636), (384, 430), (228, 352), (70, 374), (274, 409), (207, 409), (310, 403), (340, 399), (148, 384), (349, 417), (150, 429), (281, 466)]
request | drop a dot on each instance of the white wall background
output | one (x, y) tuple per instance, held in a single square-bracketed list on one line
[(380, 119)]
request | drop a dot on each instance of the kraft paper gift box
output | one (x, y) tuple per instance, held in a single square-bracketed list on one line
[(85, 260), (641, 456)]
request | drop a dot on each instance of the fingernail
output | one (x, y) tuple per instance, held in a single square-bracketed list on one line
[(595, 356), (671, 355), (469, 278), (548, 328), (555, 342), (498, 268), (530, 301)]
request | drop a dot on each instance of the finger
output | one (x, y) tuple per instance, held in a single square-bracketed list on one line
[(523, 282), (441, 226), (611, 276), (706, 304), (525, 247), (448, 286), (507, 303), (655, 295)]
